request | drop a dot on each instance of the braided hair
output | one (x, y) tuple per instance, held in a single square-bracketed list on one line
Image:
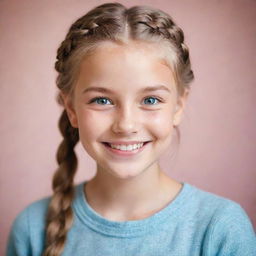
[(107, 22)]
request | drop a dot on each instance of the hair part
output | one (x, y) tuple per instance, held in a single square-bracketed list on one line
[(109, 22)]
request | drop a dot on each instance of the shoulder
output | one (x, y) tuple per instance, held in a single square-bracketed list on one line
[(228, 229), (28, 228), (205, 203), (32, 215), (231, 232)]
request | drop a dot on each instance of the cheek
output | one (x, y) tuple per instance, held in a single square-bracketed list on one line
[(88, 124), (160, 124), (90, 129)]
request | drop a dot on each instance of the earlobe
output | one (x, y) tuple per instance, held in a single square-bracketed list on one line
[(70, 109)]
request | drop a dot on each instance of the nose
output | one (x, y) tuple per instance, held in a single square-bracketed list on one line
[(125, 121)]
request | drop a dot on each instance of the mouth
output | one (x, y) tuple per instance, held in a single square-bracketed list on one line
[(126, 150), (115, 145)]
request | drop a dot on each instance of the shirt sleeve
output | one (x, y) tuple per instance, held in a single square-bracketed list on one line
[(232, 233), (18, 243)]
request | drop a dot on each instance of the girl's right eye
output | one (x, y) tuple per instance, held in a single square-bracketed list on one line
[(99, 100)]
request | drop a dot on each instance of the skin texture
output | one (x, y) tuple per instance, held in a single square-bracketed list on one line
[(127, 114)]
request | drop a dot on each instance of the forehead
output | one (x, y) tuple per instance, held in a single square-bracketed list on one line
[(134, 65), (130, 51)]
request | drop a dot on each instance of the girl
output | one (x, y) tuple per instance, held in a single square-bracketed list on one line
[(124, 77)]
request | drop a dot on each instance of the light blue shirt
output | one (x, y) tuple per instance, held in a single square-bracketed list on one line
[(195, 223)]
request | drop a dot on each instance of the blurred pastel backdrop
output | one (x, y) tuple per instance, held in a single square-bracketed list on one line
[(217, 152)]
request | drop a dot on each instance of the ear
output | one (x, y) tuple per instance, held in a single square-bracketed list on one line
[(68, 104), (179, 108)]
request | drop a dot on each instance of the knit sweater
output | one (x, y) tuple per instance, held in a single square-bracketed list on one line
[(195, 223)]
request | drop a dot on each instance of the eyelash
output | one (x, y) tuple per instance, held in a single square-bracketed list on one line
[(98, 98)]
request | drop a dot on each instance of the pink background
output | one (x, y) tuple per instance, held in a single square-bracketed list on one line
[(217, 151)]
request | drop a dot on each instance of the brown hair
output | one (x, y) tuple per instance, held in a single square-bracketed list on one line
[(108, 22)]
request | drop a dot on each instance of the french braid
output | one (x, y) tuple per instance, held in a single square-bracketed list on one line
[(108, 22), (153, 25), (59, 217)]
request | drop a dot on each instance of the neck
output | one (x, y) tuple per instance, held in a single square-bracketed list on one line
[(133, 198)]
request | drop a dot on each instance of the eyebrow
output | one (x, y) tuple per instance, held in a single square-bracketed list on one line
[(146, 89)]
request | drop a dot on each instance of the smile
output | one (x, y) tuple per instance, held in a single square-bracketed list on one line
[(130, 147), (125, 150)]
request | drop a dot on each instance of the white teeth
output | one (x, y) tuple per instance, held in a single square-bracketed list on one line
[(127, 147)]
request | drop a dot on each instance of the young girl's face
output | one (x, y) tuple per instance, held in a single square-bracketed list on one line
[(125, 95)]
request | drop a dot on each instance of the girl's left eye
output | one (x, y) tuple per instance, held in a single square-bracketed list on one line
[(103, 100), (152, 100)]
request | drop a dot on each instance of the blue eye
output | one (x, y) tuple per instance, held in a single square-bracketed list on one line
[(100, 100), (152, 100), (104, 101)]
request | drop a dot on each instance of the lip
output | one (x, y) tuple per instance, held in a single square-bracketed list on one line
[(125, 142), (120, 153)]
